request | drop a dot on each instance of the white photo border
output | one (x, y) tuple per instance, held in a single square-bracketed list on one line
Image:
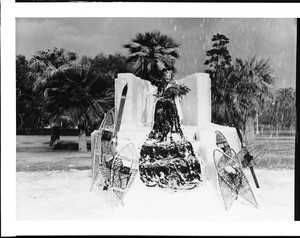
[(11, 11)]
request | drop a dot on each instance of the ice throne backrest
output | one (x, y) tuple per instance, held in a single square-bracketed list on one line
[(139, 105), (139, 102), (196, 105)]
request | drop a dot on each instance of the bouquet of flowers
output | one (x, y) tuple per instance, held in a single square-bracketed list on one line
[(176, 90)]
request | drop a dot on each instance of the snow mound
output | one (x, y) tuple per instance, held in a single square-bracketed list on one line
[(65, 195)]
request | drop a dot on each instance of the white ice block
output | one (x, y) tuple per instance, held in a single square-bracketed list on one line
[(139, 103), (196, 105)]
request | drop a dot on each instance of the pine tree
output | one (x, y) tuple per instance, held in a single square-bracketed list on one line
[(219, 71), (219, 55)]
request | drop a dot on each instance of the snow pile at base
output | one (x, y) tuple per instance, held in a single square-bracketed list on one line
[(202, 137), (65, 195)]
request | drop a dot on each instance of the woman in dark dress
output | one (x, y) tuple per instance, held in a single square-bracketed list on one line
[(167, 159)]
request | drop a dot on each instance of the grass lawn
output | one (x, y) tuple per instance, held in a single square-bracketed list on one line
[(281, 152), (34, 154)]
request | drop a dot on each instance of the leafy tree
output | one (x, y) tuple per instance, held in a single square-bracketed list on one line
[(43, 65), (151, 52), (85, 61), (110, 64), (28, 103)]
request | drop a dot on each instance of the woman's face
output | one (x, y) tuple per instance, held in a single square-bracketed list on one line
[(168, 76)]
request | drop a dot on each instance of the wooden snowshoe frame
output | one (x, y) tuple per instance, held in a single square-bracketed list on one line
[(231, 159), (105, 126)]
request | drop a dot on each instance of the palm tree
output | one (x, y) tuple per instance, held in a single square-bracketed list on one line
[(43, 64), (150, 53), (80, 93), (285, 107), (222, 96), (243, 90), (239, 90), (253, 92)]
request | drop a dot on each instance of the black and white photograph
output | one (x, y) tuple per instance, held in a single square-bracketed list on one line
[(177, 95), (165, 119)]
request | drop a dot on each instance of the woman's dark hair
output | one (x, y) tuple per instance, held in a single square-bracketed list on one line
[(167, 69)]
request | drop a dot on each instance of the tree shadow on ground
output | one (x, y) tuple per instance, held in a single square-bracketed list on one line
[(68, 145), (64, 146)]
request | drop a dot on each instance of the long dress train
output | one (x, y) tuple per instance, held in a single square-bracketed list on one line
[(167, 159)]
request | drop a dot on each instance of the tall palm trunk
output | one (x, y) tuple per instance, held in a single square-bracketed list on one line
[(55, 135), (82, 146), (249, 129)]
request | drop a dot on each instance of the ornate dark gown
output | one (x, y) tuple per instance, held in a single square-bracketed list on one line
[(167, 159)]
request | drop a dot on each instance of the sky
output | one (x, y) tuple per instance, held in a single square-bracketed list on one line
[(267, 38)]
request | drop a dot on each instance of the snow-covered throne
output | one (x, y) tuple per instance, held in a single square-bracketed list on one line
[(196, 121)]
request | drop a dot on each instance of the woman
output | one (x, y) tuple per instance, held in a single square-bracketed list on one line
[(167, 158)]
